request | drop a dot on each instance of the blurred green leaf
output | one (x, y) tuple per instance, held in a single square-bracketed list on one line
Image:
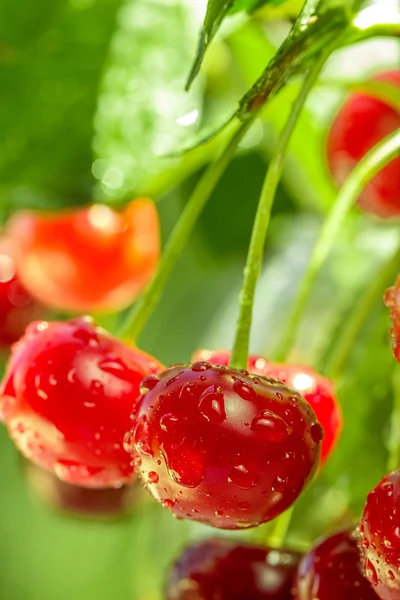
[(143, 111), (51, 59)]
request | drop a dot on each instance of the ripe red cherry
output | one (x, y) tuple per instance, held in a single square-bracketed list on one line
[(392, 301), (67, 397), (361, 123), (226, 570), (380, 537), (88, 259), (332, 571), (17, 307), (317, 390), (223, 447), (319, 393)]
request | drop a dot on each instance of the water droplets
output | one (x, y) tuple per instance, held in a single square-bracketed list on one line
[(241, 477), (169, 422), (186, 465), (141, 437), (200, 366), (371, 573), (271, 426), (148, 383), (211, 404), (244, 390), (317, 432), (167, 503), (153, 477)]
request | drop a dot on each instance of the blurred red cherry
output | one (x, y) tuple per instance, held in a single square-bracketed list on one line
[(17, 307), (88, 259), (360, 124), (67, 398)]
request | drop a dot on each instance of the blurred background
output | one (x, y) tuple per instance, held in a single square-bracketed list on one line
[(92, 107)]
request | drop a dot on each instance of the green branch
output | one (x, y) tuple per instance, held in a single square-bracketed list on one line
[(365, 170), (256, 250), (137, 318)]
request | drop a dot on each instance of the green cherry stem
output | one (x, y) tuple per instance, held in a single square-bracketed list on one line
[(365, 170), (252, 269), (138, 316), (358, 316)]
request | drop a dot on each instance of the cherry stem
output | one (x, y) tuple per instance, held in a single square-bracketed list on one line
[(358, 316), (138, 316), (375, 160), (394, 437), (240, 351)]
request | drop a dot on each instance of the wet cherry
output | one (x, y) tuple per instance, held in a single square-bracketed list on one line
[(380, 537), (316, 389), (332, 571), (361, 123), (17, 307), (223, 447), (87, 259), (67, 397), (227, 570)]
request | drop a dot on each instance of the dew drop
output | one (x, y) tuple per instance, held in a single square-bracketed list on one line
[(371, 573), (317, 432), (168, 422), (211, 404), (141, 437), (241, 477), (391, 575), (173, 379), (271, 426), (186, 464), (148, 383), (128, 442), (187, 392), (167, 503), (137, 462), (201, 365), (244, 390), (293, 401), (153, 477)]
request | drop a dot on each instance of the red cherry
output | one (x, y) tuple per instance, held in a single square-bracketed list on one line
[(392, 301), (380, 537), (223, 447), (67, 397), (361, 123), (226, 570), (317, 390), (17, 307), (319, 393), (332, 571), (87, 259), (256, 364)]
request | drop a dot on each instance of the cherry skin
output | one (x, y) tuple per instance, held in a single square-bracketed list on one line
[(17, 307), (227, 570), (332, 570), (67, 397), (392, 301), (90, 259), (380, 537), (223, 447), (361, 123), (317, 390)]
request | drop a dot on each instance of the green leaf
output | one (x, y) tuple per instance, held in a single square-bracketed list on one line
[(143, 111), (216, 11)]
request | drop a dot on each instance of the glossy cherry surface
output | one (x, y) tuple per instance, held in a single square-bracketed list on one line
[(17, 307), (223, 447), (380, 537), (227, 570), (332, 571), (67, 397), (87, 259), (361, 123), (319, 391)]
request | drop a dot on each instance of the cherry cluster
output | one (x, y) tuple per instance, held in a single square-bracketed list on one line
[(230, 448)]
